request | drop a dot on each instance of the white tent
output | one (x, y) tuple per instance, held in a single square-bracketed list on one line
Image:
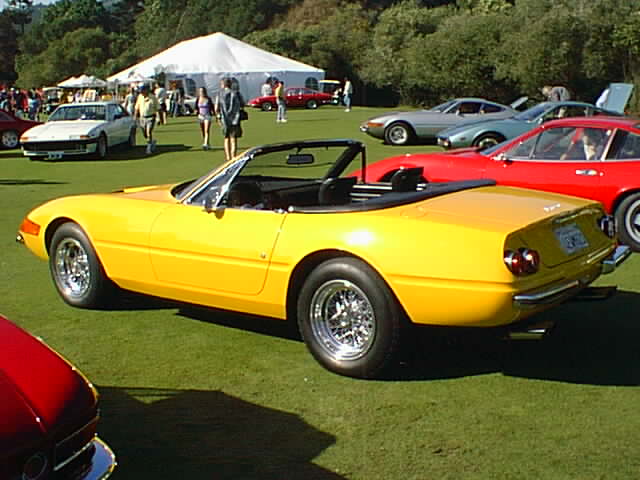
[(83, 81), (207, 59)]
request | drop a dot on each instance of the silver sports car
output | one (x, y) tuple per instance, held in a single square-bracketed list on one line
[(401, 128)]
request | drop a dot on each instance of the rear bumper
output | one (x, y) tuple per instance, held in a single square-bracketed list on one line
[(558, 292)]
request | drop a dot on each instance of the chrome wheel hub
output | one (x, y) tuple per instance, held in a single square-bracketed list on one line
[(342, 320), (633, 221), (71, 268)]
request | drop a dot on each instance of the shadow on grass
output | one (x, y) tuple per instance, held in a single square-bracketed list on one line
[(158, 433), (11, 154), (28, 181), (596, 343)]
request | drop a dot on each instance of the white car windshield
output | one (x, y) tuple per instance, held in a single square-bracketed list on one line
[(78, 112), (442, 107)]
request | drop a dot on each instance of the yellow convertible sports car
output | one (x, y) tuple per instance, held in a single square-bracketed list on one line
[(294, 231)]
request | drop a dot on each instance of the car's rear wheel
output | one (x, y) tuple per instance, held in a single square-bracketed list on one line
[(349, 318), (398, 133), (628, 221), (101, 147), (9, 139), (312, 104), (267, 106), (488, 140), (131, 142), (76, 269)]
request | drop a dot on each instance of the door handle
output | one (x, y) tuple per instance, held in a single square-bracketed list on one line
[(589, 172)]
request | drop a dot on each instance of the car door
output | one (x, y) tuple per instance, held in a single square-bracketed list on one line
[(294, 97), (552, 160), (226, 250), (621, 168), (117, 130)]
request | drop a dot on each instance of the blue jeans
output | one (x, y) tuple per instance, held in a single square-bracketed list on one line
[(282, 110), (347, 101)]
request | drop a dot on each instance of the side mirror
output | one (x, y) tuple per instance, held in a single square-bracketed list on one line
[(501, 158), (210, 202)]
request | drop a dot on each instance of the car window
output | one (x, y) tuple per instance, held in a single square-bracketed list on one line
[(565, 111), (491, 108), (532, 113), (469, 107), (443, 107), (78, 112), (625, 146)]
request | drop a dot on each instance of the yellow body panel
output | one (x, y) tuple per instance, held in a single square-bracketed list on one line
[(442, 257)]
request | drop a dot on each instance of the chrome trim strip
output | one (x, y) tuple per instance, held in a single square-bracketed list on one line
[(103, 462), (547, 296), (620, 254), (65, 462)]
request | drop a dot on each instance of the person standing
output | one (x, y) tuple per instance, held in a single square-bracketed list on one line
[(281, 116), (228, 106), (130, 101), (266, 90), (348, 93), (145, 111), (204, 107), (161, 95)]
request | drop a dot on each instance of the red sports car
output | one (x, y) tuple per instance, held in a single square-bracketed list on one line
[(11, 127), (592, 157), (294, 97), (48, 414)]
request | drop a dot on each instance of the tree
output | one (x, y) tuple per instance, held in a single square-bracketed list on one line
[(8, 49), (20, 12)]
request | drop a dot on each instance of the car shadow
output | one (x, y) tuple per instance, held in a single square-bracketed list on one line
[(28, 181), (593, 342), (11, 154), (169, 433)]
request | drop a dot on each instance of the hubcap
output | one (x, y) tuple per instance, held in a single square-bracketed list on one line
[(398, 135), (71, 268), (10, 139), (487, 142), (632, 221), (342, 320)]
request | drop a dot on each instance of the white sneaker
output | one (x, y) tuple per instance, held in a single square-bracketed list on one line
[(284, 121), (347, 109), (205, 146)]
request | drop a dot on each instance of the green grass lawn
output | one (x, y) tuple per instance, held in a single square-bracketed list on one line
[(201, 394)]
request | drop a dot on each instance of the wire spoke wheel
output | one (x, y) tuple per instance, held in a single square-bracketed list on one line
[(343, 320)]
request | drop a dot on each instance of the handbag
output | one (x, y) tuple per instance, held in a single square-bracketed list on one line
[(244, 115)]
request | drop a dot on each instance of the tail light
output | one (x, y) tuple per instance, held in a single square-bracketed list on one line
[(608, 225), (523, 261)]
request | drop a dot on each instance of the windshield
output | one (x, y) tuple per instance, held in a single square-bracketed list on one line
[(442, 107), (78, 112), (532, 113)]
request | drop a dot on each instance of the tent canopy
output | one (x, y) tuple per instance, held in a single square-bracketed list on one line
[(209, 58), (83, 81)]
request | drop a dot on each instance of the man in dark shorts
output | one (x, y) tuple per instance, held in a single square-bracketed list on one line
[(229, 103)]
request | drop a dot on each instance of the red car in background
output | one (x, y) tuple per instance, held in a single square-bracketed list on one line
[(592, 157), (294, 97), (11, 127), (48, 414)]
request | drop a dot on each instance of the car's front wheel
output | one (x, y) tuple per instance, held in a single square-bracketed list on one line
[(488, 140), (349, 318), (101, 147), (398, 133), (312, 104), (267, 106), (628, 221), (131, 142), (76, 270), (9, 139)]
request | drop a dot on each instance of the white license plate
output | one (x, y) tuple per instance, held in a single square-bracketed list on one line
[(571, 238), (54, 156)]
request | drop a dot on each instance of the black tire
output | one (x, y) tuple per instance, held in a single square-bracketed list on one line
[(9, 139), (131, 142), (350, 346), (312, 104), (267, 106), (399, 133), (488, 140), (628, 221), (101, 147), (75, 269)]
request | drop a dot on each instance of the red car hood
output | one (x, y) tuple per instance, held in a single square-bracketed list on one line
[(40, 391)]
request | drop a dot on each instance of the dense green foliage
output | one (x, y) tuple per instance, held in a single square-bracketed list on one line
[(413, 51)]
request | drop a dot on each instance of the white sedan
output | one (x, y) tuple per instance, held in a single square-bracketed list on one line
[(80, 129)]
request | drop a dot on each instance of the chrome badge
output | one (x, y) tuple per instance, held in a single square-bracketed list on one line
[(551, 208)]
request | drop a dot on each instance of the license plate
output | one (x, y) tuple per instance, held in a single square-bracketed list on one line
[(571, 238), (54, 156)]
